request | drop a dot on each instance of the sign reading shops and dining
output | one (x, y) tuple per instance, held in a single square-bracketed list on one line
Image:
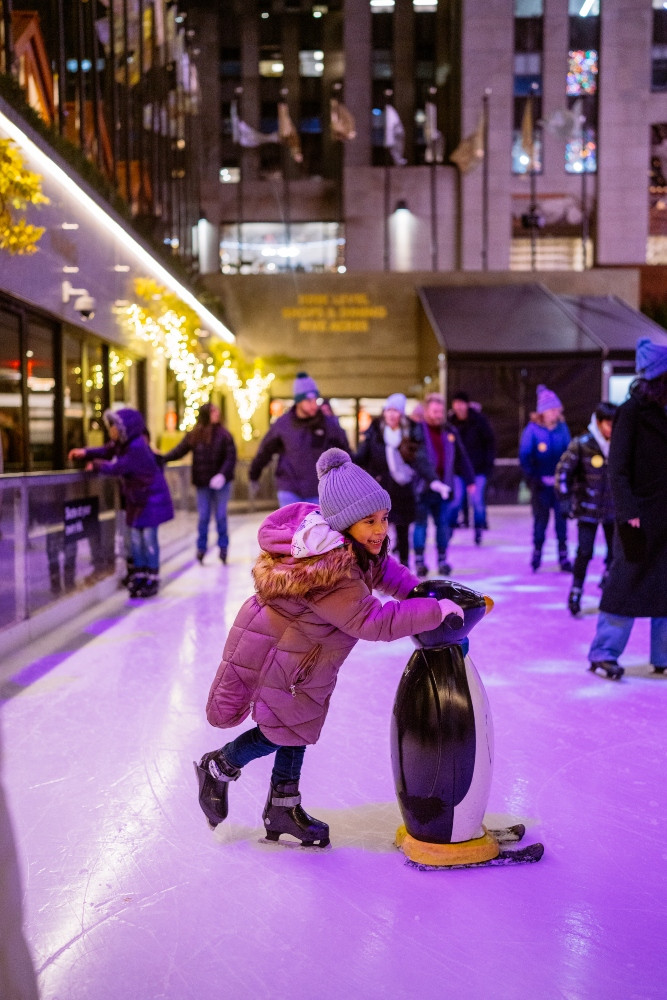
[(336, 313), (79, 516)]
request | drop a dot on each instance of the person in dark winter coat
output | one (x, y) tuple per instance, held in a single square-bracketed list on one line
[(542, 443), (446, 458), (636, 586), (582, 485), (480, 444), (314, 581), (148, 503), (298, 437), (394, 453), (213, 463)]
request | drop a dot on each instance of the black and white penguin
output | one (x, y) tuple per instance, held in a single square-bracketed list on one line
[(442, 740)]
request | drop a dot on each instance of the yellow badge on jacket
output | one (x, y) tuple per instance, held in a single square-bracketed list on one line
[(541, 446), (597, 461)]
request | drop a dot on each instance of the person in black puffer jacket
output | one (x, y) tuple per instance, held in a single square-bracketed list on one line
[(213, 464), (582, 485)]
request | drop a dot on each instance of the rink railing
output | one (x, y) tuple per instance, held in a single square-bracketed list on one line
[(45, 562)]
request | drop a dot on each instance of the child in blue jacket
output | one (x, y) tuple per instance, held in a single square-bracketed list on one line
[(542, 443)]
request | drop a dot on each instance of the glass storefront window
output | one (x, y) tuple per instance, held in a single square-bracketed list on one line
[(95, 395), (123, 379), (272, 247), (41, 384), (11, 395), (73, 393)]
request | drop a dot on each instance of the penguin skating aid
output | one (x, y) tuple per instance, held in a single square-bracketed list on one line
[(442, 748)]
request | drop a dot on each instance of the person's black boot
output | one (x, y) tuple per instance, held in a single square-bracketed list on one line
[(214, 773), (574, 601), (223, 556), (137, 583), (478, 536), (421, 569), (658, 670), (283, 814), (443, 566), (612, 669), (565, 564), (536, 559)]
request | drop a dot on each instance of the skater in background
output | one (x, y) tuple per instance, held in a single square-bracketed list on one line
[(298, 437), (480, 444), (543, 442), (147, 499), (213, 463), (582, 485), (314, 581), (446, 458), (393, 453), (636, 585)]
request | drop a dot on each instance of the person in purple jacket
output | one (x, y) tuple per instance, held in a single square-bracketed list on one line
[(148, 503), (314, 583)]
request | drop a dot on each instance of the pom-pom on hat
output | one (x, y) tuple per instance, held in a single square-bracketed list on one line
[(304, 387), (547, 400), (395, 402), (651, 359), (347, 493)]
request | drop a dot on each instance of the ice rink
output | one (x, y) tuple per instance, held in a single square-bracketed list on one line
[(127, 894)]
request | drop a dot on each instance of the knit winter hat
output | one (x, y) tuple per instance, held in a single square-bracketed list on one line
[(651, 359), (395, 402), (304, 388), (547, 400), (347, 493)]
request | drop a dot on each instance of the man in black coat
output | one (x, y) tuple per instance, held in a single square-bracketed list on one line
[(636, 585), (298, 437), (479, 441)]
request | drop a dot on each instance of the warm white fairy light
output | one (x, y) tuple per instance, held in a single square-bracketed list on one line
[(168, 336), (248, 396)]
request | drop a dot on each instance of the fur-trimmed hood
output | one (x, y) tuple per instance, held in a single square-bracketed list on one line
[(278, 573)]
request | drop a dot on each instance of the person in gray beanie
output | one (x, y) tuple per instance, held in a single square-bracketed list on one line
[(314, 582), (635, 585), (298, 437)]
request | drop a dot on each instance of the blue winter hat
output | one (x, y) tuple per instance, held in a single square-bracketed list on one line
[(304, 388), (651, 359), (347, 493), (547, 399)]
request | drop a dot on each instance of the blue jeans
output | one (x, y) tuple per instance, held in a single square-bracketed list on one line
[(431, 503), (252, 744), (544, 499), (613, 632), (286, 496), (478, 501), (212, 500), (145, 549)]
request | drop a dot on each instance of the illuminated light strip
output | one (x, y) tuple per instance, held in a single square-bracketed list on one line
[(51, 169), (586, 8)]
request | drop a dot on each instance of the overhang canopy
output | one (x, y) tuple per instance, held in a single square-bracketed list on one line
[(529, 319)]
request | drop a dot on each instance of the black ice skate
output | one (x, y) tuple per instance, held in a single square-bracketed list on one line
[(612, 669), (283, 814), (536, 559), (213, 775), (574, 601)]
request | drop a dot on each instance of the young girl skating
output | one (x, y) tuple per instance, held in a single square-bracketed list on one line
[(314, 581)]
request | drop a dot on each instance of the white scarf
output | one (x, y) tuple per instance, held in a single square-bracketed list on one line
[(603, 444), (314, 537), (399, 470)]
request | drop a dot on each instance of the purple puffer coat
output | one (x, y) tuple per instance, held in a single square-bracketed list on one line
[(288, 642), (145, 491)]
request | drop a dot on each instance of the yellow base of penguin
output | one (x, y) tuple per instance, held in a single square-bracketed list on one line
[(466, 852)]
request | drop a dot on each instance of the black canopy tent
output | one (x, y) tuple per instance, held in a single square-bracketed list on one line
[(499, 342)]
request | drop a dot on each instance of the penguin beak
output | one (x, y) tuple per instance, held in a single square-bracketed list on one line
[(489, 604)]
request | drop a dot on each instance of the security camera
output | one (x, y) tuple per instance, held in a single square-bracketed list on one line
[(85, 306)]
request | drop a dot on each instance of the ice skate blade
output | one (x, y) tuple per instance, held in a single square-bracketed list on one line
[(529, 855), (324, 845)]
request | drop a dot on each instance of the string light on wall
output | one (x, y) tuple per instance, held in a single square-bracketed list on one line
[(247, 396)]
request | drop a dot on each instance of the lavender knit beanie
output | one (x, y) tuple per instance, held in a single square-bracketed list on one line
[(347, 493), (304, 388), (547, 400)]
